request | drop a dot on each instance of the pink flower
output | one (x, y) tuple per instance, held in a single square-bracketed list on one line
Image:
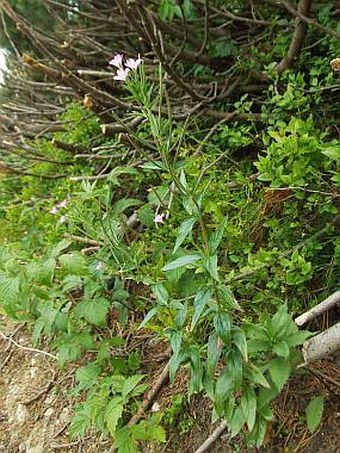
[(117, 61), (62, 204), (122, 74), (159, 218), (63, 219), (132, 63), (54, 210)]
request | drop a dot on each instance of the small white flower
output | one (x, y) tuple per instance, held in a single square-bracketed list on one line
[(122, 74), (132, 63), (62, 204), (159, 218), (100, 266), (155, 407), (63, 219), (54, 210)]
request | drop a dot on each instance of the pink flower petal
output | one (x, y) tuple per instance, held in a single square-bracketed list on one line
[(116, 61), (62, 204), (132, 63), (159, 218), (122, 74), (54, 210)]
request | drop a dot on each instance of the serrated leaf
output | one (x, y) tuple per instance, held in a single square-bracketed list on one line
[(181, 262), (183, 231), (9, 288), (125, 444), (80, 422), (74, 263), (93, 311), (130, 383), (86, 375), (200, 301), (314, 413), (113, 413), (279, 370), (41, 272)]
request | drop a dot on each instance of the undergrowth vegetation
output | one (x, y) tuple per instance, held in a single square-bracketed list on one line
[(204, 238)]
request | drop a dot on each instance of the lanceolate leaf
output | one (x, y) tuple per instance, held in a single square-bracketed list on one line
[(183, 261), (201, 300), (249, 405), (216, 237), (183, 231), (314, 413)]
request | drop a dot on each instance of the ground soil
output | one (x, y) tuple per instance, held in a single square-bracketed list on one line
[(36, 408)]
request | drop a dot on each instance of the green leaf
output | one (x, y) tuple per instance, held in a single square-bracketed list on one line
[(281, 349), (237, 421), (240, 341), (117, 171), (297, 338), (314, 413), (183, 231), (210, 264), (61, 246), (150, 314), (41, 272), (216, 237), (130, 383), (256, 376), (174, 363), (227, 297), (161, 293), (201, 300), (125, 444), (74, 263), (153, 166), (124, 203), (9, 288), (113, 413), (223, 390), (223, 326), (80, 422), (213, 354), (86, 375), (183, 261), (93, 311), (249, 406), (279, 370)]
